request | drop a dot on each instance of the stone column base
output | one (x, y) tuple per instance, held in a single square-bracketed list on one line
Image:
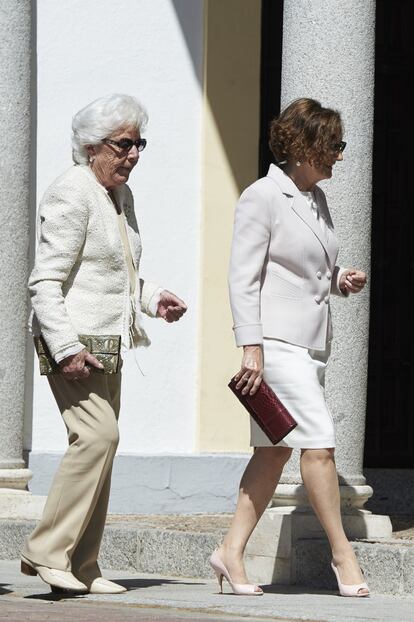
[(20, 504), (271, 551), (15, 478), (352, 497), (15, 500)]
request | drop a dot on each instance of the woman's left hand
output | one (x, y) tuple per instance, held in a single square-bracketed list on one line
[(352, 281), (170, 307)]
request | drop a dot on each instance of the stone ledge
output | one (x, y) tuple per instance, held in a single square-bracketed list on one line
[(130, 545), (20, 504), (388, 567)]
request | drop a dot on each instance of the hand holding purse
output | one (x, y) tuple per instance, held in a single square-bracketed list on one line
[(267, 410), (105, 348)]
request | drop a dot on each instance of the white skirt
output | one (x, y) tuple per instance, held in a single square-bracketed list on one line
[(297, 376)]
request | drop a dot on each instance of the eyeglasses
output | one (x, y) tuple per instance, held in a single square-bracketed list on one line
[(339, 147), (126, 144)]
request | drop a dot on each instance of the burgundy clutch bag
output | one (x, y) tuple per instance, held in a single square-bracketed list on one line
[(267, 410)]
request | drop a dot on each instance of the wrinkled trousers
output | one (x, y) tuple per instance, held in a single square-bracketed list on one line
[(69, 534)]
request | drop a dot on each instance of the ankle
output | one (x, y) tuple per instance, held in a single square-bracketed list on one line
[(231, 550), (343, 553)]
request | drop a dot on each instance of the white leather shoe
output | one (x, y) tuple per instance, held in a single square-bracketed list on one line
[(61, 579), (104, 586)]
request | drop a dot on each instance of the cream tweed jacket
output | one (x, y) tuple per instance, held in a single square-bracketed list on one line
[(79, 283)]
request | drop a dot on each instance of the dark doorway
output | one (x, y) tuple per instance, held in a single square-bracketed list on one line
[(270, 77), (390, 418), (390, 401)]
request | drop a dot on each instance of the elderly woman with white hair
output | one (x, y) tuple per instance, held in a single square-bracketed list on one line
[(86, 282)]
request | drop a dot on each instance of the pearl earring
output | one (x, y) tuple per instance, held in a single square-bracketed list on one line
[(298, 163)]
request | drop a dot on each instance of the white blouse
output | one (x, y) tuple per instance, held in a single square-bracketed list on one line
[(313, 206)]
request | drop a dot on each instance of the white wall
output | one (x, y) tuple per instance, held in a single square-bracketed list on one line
[(88, 49)]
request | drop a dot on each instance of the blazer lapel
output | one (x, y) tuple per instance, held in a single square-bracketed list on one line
[(323, 210), (301, 208), (298, 203), (331, 240)]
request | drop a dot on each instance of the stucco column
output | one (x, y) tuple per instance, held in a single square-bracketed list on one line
[(328, 54), (15, 49)]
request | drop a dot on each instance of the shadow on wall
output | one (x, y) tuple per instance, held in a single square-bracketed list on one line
[(230, 86), (231, 77), (190, 18)]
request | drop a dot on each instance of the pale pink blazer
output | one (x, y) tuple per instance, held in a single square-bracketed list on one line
[(283, 265)]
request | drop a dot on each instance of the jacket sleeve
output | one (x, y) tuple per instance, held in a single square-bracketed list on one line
[(251, 236), (150, 297), (336, 278), (63, 220)]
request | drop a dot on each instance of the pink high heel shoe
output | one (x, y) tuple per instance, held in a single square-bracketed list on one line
[(349, 590), (240, 589)]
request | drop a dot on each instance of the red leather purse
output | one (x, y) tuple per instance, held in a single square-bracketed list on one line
[(267, 410)]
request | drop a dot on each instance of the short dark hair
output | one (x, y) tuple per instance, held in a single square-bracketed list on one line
[(305, 131)]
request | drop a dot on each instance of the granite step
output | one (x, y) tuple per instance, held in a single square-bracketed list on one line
[(180, 545)]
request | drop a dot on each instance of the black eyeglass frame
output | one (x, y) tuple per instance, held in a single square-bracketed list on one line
[(339, 147), (126, 144)]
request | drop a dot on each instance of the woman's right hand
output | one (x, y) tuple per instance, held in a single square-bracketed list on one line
[(76, 366), (251, 371)]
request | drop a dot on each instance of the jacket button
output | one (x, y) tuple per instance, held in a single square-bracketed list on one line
[(318, 299), (319, 274), (326, 299), (329, 274)]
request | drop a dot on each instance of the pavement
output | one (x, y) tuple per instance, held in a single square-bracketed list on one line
[(157, 598)]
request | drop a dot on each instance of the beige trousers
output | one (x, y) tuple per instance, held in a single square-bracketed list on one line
[(69, 534)]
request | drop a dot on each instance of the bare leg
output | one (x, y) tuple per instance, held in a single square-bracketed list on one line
[(257, 486), (321, 480)]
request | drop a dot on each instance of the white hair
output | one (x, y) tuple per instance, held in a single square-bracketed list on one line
[(101, 118)]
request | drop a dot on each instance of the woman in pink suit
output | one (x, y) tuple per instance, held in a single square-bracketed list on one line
[(283, 272)]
